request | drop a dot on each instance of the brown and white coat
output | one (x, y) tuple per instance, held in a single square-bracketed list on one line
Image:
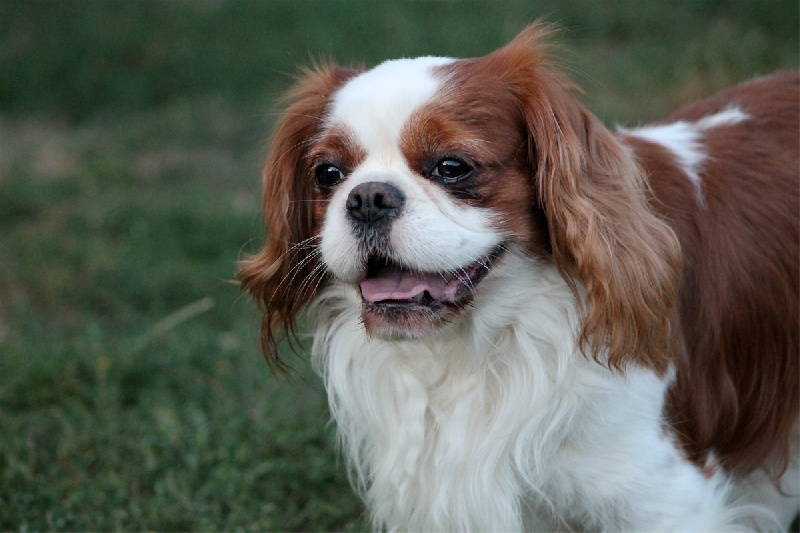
[(526, 321)]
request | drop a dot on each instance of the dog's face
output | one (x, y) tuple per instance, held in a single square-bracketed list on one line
[(411, 182), (418, 193)]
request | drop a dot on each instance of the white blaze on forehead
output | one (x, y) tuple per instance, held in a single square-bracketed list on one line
[(684, 140), (377, 104)]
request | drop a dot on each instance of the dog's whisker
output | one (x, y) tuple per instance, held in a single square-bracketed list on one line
[(293, 273), (318, 268)]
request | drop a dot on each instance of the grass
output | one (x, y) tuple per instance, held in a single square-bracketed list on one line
[(132, 393)]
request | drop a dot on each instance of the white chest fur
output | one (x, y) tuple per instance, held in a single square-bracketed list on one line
[(499, 423)]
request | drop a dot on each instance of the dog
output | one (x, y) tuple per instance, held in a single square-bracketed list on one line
[(524, 320)]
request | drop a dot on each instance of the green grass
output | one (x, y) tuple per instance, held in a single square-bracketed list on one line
[(132, 393)]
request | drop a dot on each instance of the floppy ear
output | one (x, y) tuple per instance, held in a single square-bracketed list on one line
[(284, 274), (603, 231)]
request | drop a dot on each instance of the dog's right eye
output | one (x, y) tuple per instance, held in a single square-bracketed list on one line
[(328, 175)]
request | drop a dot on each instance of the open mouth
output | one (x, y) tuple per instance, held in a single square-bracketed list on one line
[(403, 299)]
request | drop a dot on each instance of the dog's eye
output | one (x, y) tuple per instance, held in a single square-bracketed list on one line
[(328, 175), (451, 170)]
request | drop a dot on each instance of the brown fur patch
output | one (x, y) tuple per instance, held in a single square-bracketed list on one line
[(602, 232), (284, 274), (737, 392)]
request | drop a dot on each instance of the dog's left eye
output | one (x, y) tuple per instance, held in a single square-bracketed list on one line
[(451, 170)]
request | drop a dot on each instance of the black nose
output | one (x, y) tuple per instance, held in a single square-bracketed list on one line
[(373, 201)]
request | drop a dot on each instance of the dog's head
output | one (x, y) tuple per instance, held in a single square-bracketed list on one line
[(410, 182)]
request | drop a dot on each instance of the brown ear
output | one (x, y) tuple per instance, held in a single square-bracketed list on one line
[(603, 231), (284, 275)]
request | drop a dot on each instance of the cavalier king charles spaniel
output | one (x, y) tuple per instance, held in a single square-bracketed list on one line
[(527, 321)]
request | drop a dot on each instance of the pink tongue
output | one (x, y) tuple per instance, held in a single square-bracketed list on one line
[(405, 286)]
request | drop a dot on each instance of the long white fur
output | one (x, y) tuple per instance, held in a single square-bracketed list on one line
[(496, 422), (499, 423)]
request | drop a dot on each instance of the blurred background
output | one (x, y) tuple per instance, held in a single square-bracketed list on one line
[(132, 392)]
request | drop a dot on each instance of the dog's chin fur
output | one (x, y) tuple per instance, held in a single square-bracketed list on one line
[(409, 324)]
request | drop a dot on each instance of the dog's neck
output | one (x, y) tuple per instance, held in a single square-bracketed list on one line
[(500, 417), (501, 402)]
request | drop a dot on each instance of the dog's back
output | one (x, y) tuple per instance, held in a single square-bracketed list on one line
[(731, 194)]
